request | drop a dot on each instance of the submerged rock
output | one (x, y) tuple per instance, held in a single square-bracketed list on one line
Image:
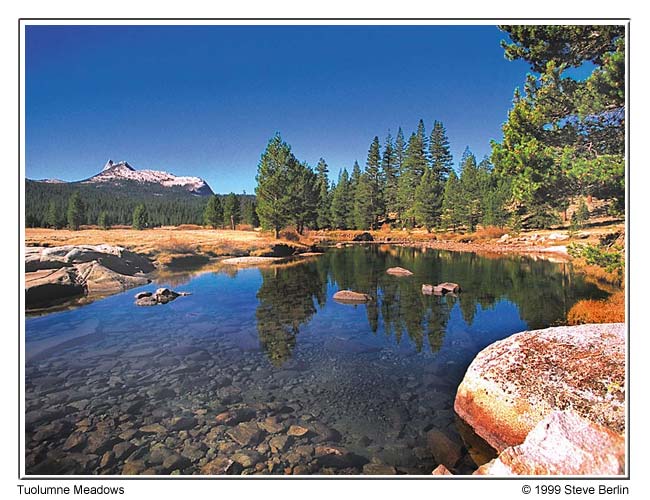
[(562, 444), (515, 383), (350, 297), (398, 271), (441, 289)]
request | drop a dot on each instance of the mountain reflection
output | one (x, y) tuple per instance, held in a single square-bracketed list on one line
[(290, 295)]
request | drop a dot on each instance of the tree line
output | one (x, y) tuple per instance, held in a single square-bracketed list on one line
[(72, 205), (403, 182), (563, 141)]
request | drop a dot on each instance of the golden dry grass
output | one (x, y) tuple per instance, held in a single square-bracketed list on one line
[(164, 244), (611, 310)]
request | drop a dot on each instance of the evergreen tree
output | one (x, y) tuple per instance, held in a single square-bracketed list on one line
[(274, 172), (304, 204), (470, 191), (52, 218), (428, 201), (324, 196), (355, 178), (439, 152), (231, 211), (341, 208), (140, 217), (363, 212), (413, 168), (375, 181), (249, 214), (76, 211), (390, 172), (452, 213), (496, 193), (213, 213), (400, 149), (564, 137), (103, 221)]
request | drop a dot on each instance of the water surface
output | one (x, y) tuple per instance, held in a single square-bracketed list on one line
[(377, 381)]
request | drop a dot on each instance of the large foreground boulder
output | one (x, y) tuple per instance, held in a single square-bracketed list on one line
[(515, 383), (59, 273), (562, 444)]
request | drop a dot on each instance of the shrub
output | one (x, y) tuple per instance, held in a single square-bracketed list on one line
[(611, 261), (289, 235), (611, 310)]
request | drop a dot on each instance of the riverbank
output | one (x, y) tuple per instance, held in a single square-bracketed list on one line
[(192, 247)]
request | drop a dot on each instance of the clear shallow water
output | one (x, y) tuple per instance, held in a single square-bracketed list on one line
[(270, 345)]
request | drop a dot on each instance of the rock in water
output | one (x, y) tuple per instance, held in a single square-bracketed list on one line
[(160, 296), (350, 297), (398, 271), (515, 383), (562, 444)]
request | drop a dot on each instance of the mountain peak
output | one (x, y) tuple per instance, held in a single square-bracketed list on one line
[(120, 164), (123, 171)]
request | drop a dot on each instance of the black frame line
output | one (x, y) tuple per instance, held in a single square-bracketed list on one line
[(626, 477)]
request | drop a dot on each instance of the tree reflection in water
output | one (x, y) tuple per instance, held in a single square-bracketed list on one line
[(288, 298)]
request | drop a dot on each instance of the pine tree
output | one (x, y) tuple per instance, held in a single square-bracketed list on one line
[(427, 205), (390, 172), (470, 190), (340, 208), (304, 196), (413, 168), (140, 217), (375, 181), (52, 218), (451, 202), (400, 149), (439, 152), (324, 196), (231, 211), (76, 211), (274, 173), (355, 178), (249, 214), (213, 213), (103, 221), (363, 212)]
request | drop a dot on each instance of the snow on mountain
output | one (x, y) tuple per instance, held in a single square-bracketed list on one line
[(51, 181), (123, 171)]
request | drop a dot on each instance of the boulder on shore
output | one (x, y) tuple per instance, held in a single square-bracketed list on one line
[(562, 444), (365, 236), (350, 297), (398, 271), (58, 273), (516, 382)]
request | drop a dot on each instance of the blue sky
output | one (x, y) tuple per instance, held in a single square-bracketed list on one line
[(204, 100)]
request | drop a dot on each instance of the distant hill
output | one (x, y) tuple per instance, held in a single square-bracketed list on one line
[(117, 189)]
